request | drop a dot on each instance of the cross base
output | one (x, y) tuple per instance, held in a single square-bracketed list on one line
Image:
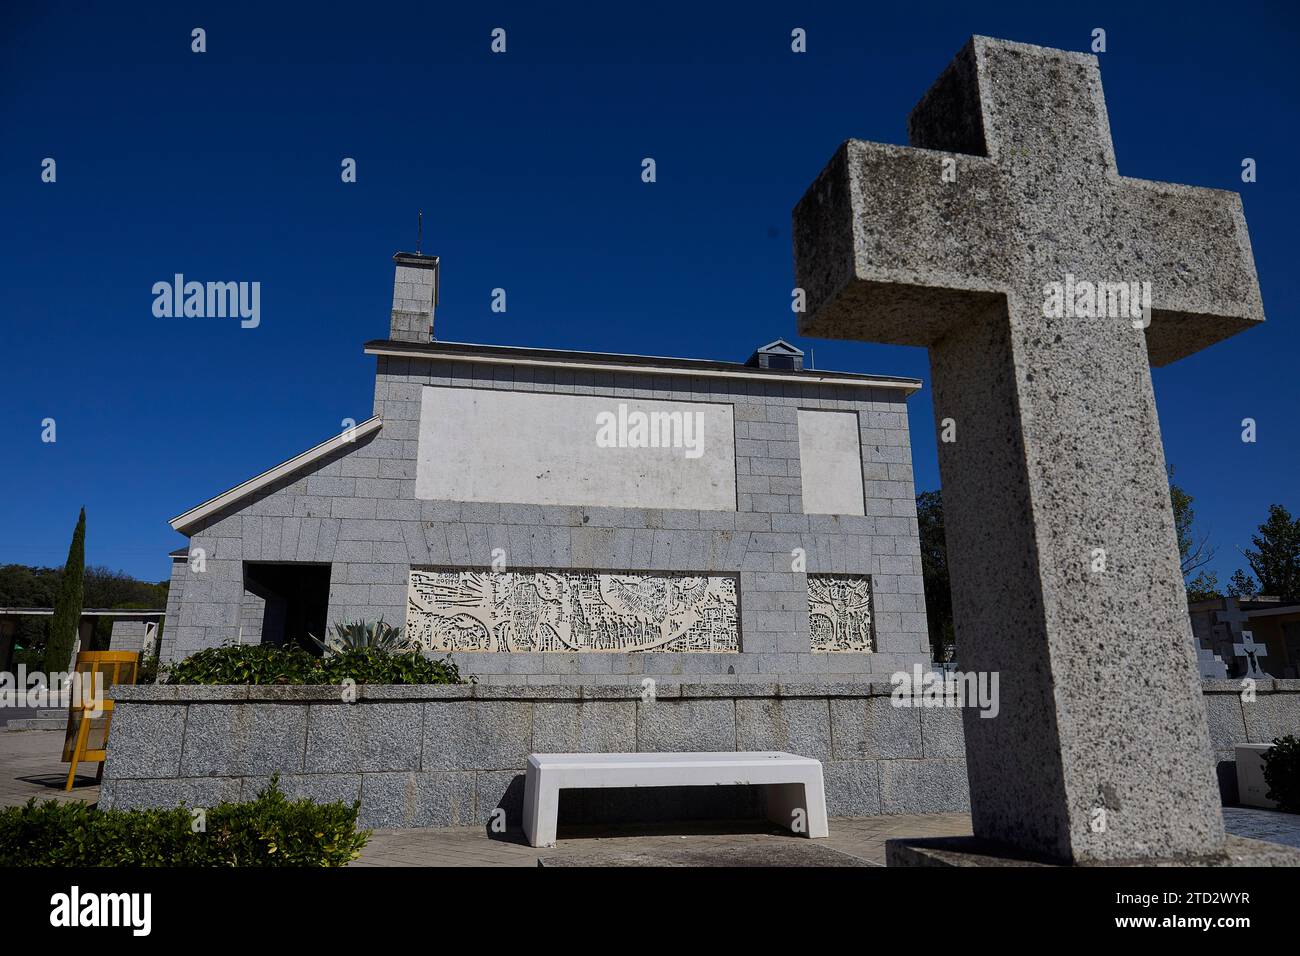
[(973, 851)]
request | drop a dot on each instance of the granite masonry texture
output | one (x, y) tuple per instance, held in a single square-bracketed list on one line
[(357, 511), (1057, 449), (450, 756), (415, 281), (130, 636)]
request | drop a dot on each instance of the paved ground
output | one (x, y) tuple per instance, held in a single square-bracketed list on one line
[(30, 767), (863, 839), (1268, 825)]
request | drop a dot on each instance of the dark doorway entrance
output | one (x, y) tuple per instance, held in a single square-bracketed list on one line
[(297, 600)]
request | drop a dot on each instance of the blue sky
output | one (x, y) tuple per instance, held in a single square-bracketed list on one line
[(225, 166)]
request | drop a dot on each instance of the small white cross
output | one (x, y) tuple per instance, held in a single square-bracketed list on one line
[(1251, 651)]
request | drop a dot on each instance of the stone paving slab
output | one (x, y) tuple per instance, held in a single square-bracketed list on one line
[(31, 765), (733, 843), (967, 852), (16, 716), (1272, 826), (793, 852)]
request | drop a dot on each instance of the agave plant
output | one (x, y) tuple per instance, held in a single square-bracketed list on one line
[(363, 634)]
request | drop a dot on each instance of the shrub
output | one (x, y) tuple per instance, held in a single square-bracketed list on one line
[(270, 830), (367, 665), (267, 664), (148, 670), (247, 664), (1282, 772), (357, 634)]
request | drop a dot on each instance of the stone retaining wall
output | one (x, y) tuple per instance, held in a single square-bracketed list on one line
[(449, 756)]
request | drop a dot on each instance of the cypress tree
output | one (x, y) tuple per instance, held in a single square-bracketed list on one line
[(67, 606)]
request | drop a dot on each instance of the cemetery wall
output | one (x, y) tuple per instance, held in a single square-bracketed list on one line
[(449, 756), (1235, 719)]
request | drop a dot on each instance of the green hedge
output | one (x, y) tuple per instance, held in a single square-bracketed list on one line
[(368, 665), (267, 664), (1282, 772), (268, 831)]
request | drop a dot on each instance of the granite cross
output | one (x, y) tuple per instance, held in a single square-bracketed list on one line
[(1060, 531), (1232, 615), (1251, 652)]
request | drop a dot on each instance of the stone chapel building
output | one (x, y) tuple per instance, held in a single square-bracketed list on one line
[(551, 517)]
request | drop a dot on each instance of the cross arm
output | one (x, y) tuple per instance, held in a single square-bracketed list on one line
[(889, 248), (1193, 245)]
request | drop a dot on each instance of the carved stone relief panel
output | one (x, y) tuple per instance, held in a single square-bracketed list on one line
[(453, 609), (839, 611)]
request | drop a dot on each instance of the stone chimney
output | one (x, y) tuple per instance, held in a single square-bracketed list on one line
[(415, 294)]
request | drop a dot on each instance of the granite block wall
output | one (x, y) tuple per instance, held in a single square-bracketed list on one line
[(132, 636), (450, 756), (357, 511), (180, 574)]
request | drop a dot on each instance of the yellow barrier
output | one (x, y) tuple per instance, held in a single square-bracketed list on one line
[(91, 710)]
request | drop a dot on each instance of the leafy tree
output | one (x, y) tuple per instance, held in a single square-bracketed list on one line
[(67, 607), (1242, 585), (1276, 557), (21, 586), (934, 573), (114, 589), (1193, 552), (1203, 587)]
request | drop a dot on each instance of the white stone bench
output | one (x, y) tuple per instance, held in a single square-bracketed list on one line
[(789, 783)]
